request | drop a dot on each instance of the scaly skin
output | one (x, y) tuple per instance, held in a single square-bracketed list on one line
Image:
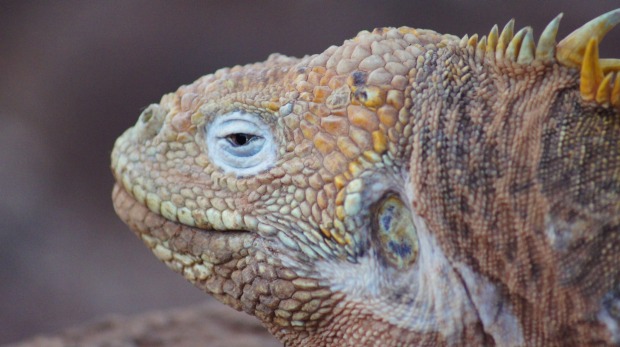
[(426, 190)]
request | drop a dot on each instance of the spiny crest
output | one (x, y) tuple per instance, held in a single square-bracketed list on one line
[(600, 78)]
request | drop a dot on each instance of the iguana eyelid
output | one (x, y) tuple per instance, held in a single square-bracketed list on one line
[(249, 159)]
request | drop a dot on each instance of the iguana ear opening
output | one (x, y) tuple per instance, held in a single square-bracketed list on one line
[(395, 232)]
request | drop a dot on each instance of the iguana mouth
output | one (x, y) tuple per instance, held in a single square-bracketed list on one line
[(189, 250)]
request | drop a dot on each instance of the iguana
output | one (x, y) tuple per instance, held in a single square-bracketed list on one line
[(404, 189)]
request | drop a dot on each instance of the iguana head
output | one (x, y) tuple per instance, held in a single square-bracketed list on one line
[(366, 193)]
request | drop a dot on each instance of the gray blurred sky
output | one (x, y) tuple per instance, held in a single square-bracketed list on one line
[(75, 74)]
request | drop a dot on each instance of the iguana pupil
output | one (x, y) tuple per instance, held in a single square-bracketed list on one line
[(240, 139)]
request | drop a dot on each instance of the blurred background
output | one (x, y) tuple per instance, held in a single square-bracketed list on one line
[(75, 74)]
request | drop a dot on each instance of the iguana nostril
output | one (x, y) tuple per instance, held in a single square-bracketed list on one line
[(146, 117), (149, 123)]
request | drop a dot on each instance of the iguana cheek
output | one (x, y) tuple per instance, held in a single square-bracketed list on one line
[(239, 269)]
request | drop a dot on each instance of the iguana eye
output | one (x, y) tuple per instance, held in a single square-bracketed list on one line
[(241, 143)]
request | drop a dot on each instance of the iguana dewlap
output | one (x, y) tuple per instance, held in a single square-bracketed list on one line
[(404, 189)]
